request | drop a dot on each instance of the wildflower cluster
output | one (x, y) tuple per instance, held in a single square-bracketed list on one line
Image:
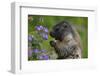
[(38, 54), (42, 31), (34, 52)]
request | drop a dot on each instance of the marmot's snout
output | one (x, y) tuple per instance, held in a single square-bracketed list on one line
[(52, 34)]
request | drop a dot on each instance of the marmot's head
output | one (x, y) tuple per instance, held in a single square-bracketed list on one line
[(62, 30)]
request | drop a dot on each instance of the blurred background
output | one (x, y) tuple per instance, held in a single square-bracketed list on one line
[(38, 35)]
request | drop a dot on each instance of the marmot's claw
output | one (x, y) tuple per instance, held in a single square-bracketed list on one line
[(52, 43)]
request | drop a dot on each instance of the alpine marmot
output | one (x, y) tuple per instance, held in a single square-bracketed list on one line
[(67, 43)]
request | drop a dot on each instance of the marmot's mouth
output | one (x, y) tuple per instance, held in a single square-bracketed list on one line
[(57, 36), (60, 38), (56, 39)]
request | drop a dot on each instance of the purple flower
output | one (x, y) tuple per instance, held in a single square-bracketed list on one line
[(40, 57), (44, 57), (39, 28), (45, 36), (30, 38), (35, 50), (46, 30), (43, 50), (30, 53)]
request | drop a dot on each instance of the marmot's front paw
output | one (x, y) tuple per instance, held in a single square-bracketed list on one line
[(52, 43)]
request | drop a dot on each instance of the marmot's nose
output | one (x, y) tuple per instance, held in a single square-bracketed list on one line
[(52, 34)]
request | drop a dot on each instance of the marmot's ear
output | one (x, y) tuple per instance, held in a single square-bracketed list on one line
[(52, 43)]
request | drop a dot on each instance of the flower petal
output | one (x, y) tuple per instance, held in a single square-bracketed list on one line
[(30, 38), (35, 50)]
